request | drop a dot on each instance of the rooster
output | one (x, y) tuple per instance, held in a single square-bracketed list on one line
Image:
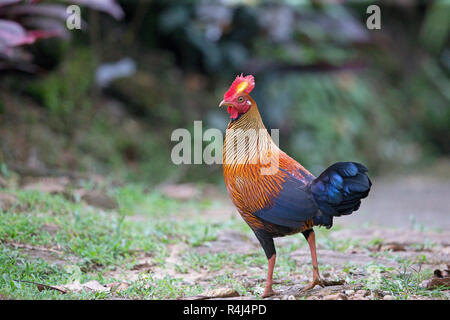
[(273, 193)]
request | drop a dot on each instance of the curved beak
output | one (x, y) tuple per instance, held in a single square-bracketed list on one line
[(224, 104)]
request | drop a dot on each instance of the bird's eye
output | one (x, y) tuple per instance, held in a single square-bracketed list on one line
[(241, 99)]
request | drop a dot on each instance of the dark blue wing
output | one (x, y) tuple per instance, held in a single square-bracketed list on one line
[(293, 206)]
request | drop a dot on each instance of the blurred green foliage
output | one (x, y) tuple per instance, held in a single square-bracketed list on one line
[(66, 90), (336, 90)]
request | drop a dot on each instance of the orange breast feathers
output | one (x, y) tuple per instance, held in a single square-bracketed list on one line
[(250, 190), (255, 170)]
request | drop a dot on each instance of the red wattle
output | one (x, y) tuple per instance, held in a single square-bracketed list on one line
[(233, 112)]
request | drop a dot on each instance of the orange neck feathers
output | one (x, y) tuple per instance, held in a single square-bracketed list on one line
[(250, 119), (247, 140)]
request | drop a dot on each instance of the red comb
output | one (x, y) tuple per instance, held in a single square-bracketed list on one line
[(250, 80)]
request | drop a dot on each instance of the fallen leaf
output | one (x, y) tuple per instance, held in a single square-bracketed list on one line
[(76, 286), (440, 279), (41, 286), (95, 286), (394, 246), (437, 282)]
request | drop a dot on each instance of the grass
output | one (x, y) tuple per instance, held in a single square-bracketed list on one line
[(148, 287), (55, 239), (98, 240), (402, 283)]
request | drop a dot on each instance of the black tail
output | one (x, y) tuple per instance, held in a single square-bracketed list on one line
[(339, 190)]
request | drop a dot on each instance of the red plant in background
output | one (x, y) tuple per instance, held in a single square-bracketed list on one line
[(24, 22)]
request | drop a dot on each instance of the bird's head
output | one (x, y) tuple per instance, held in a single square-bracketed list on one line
[(237, 98)]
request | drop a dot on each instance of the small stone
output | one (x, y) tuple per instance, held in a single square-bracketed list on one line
[(221, 293), (339, 296), (349, 292), (387, 297), (312, 298)]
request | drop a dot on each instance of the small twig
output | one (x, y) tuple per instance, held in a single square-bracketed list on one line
[(41, 286)]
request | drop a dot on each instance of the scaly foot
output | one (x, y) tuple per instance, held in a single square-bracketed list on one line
[(322, 283), (268, 293), (315, 282)]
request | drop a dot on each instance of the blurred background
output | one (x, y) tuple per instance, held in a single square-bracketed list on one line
[(91, 202), (105, 99)]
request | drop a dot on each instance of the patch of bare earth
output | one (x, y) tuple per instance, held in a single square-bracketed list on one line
[(403, 244), (399, 245), (230, 241)]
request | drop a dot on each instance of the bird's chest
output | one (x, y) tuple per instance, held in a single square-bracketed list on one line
[(250, 194), (244, 195), (249, 190)]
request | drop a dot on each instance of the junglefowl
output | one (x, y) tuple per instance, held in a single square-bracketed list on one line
[(273, 193)]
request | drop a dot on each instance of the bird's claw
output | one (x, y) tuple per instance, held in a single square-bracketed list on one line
[(315, 282), (268, 293)]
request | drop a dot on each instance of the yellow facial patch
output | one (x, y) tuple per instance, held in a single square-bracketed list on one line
[(242, 86)]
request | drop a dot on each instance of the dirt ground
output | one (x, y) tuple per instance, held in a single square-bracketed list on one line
[(408, 217), (399, 202), (389, 249)]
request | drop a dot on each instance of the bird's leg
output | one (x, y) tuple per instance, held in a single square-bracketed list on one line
[(268, 291), (311, 238), (266, 241)]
